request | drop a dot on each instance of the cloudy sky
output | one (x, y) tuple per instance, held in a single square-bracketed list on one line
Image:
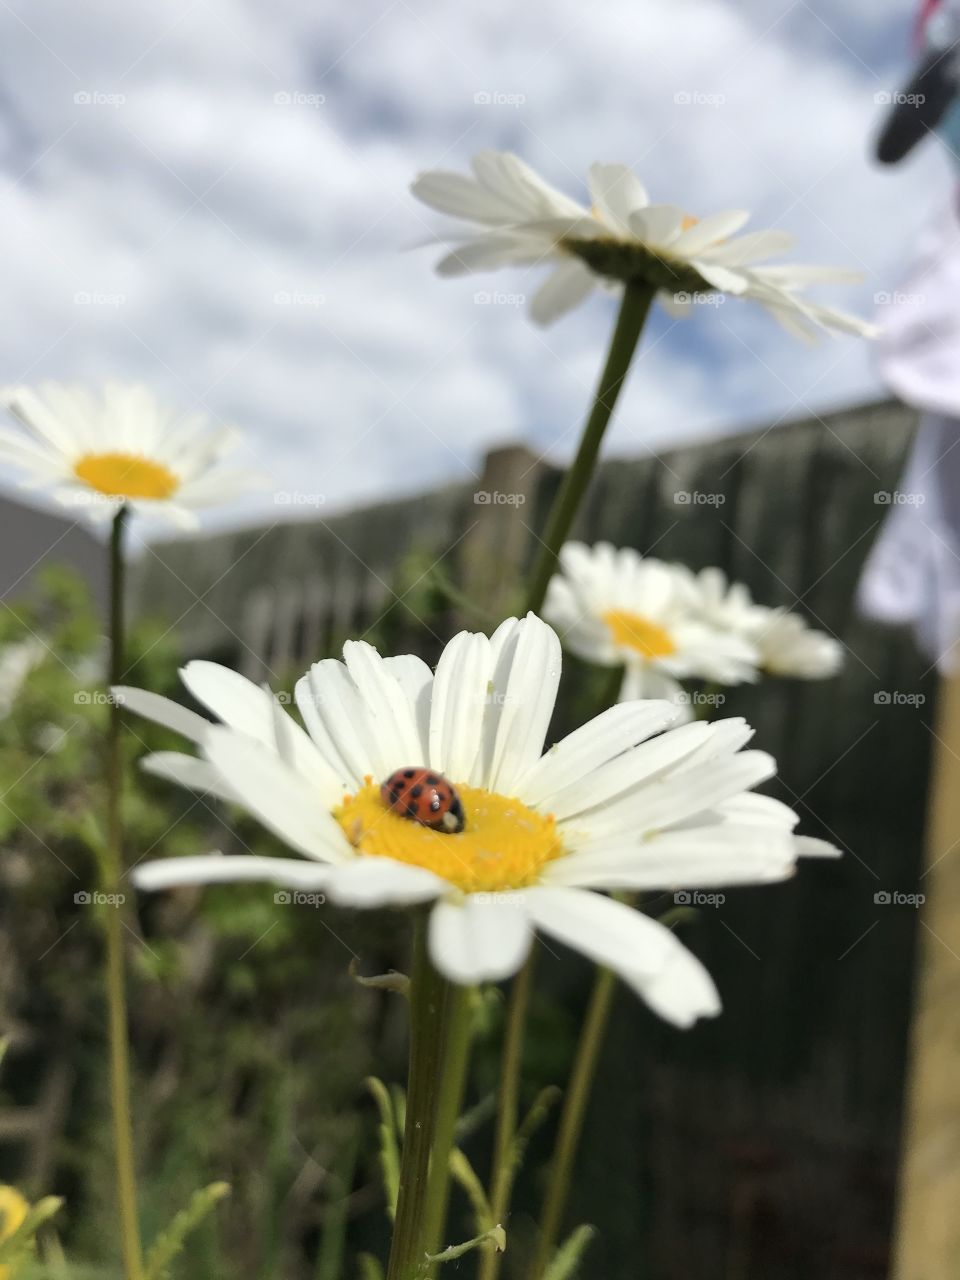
[(211, 195)]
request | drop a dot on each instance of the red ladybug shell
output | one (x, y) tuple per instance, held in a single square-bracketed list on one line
[(424, 797)]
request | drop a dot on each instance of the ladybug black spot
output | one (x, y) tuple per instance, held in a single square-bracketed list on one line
[(416, 791)]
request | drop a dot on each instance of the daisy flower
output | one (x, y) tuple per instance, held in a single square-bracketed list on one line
[(616, 608), (119, 448), (518, 219), (625, 802), (786, 645)]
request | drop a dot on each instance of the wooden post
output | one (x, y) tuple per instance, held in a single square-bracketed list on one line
[(927, 1245), (494, 553)]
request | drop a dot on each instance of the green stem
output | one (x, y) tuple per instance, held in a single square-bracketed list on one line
[(571, 1119), (634, 308), (456, 1054), (633, 312), (117, 1021), (428, 998), (507, 1111)]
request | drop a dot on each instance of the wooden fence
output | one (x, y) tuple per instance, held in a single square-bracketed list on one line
[(763, 1145)]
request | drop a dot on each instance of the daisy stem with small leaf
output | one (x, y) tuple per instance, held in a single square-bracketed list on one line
[(112, 873), (634, 309), (439, 1043)]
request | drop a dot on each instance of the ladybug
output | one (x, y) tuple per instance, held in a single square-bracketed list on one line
[(424, 797)]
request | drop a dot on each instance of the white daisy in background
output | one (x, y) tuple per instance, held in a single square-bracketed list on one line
[(786, 644), (518, 219), (119, 448), (615, 608), (619, 804)]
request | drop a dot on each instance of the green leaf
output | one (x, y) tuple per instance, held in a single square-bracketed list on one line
[(476, 1117), (496, 1235), (393, 981), (463, 1171), (542, 1104), (389, 1143), (370, 1268), (567, 1259), (170, 1243)]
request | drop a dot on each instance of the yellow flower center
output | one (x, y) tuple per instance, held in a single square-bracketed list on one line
[(504, 845), (688, 221), (126, 475), (631, 631)]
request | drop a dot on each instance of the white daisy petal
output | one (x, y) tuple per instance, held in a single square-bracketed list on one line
[(280, 797), (162, 711), (524, 693), (680, 795), (708, 231), (658, 225), (616, 193), (748, 248), (416, 680), (488, 253), (249, 709), (723, 278), (391, 717), (591, 746), (480, 939), (565, 288), (188, 771), (459, 704), (642, 952), (214, 868), (381, 882), (695, 857)]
